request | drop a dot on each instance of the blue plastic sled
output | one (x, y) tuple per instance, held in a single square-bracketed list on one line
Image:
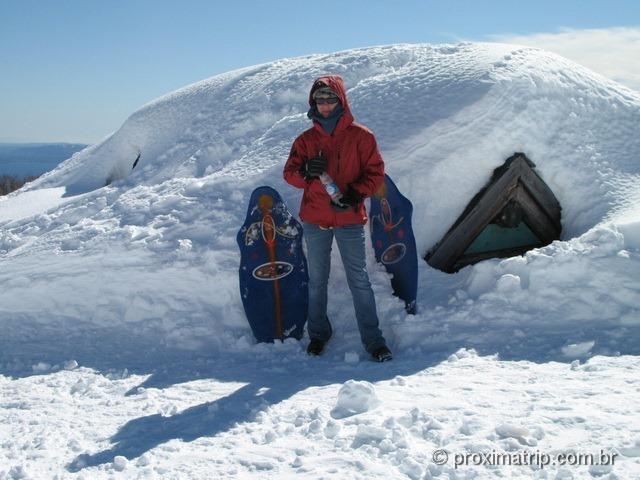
[(393, 241), (273, 269)]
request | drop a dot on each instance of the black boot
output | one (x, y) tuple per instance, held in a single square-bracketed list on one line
[(382, 354), (315, 347)]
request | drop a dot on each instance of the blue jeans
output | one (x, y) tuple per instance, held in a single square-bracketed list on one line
[(350, 239)]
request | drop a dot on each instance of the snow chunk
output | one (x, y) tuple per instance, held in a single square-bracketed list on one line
[(599, 470), (254, 465), (18, 473), (577, 349), (41, 367), (508, 283), (411, 468), (368, 435), (331, 429), (70, 365), (270, 436), (398, 380), (507, 430), (315, 426), (168, 410), (351, 357), (631, 233), (603, 240), (462, 353), (631, 451), (481, 279), (355, 397), (471, 426), (120, 463), (185, 245)]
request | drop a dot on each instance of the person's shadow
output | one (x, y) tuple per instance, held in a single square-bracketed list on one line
[(268, 383), (272, 378)]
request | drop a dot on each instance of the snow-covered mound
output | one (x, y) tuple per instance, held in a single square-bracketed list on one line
[(145, 258)]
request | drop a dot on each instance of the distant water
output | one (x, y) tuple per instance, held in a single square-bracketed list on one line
[(25, 159)]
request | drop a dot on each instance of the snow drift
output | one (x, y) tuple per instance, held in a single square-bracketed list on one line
[(145, 259)]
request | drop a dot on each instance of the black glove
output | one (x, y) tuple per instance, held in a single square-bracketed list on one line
[(351, 198), (313, 168)]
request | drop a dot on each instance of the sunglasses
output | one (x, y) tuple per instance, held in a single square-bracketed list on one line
[(327, 101)]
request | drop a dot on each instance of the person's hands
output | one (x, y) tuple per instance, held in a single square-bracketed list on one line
[(351, 198), (313, 168)]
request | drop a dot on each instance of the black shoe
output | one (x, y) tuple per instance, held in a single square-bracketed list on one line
[(315, 347), (382, 354)]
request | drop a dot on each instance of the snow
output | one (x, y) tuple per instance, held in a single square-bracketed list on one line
[(245, 417), (125, 350), (355, 397), (27, 204)]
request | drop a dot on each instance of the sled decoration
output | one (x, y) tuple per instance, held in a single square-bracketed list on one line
[(273, 269), (393, 241)]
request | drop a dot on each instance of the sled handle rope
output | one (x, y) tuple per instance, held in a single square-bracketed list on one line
[(269, 236)]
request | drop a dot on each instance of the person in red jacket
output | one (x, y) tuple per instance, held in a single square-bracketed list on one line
[(338, 165)]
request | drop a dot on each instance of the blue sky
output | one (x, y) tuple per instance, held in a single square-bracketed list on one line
[(74, 70)]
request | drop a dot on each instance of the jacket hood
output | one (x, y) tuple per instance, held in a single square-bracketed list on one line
[(335, 83)]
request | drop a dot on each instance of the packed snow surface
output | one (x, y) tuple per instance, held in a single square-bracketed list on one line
[(124, 344), (271, 414)]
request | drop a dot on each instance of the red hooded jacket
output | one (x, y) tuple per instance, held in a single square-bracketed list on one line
[(352, 157)]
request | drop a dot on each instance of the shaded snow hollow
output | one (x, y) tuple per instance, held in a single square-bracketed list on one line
[(149, 262)]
